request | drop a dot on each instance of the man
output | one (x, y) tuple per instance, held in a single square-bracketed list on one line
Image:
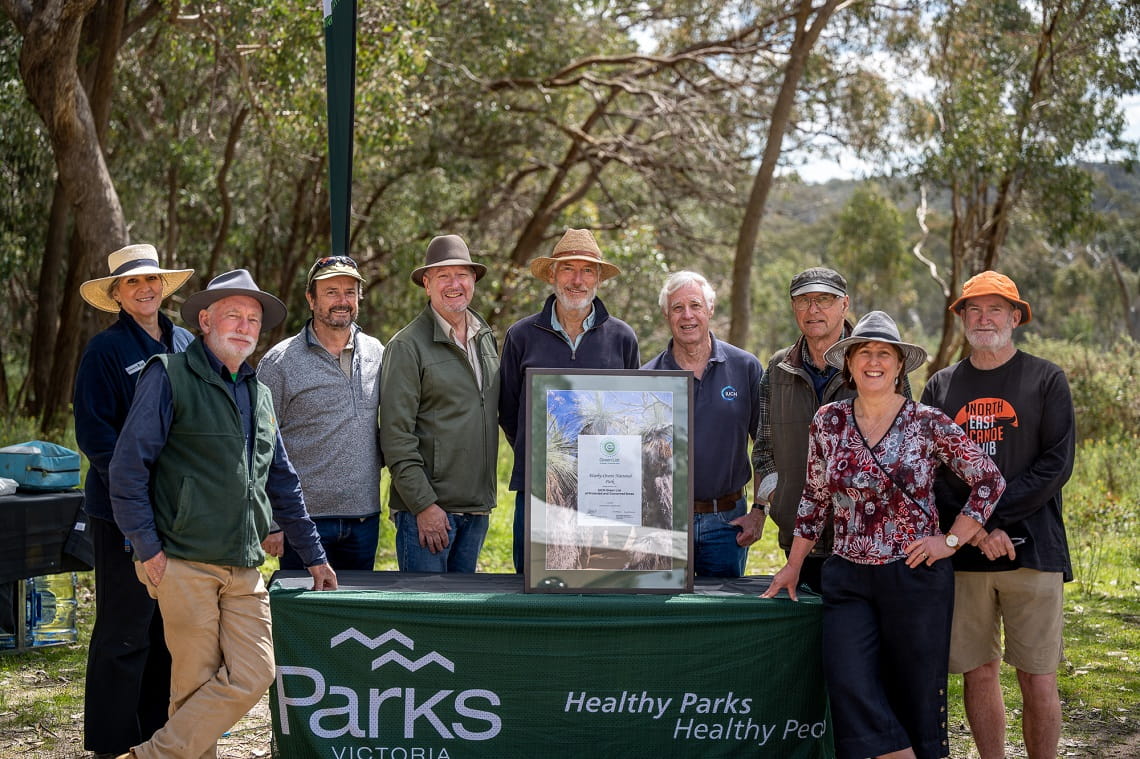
[(1019, 409), (726, 407), (437, 418), (798, 381), (198, 472), (325, 382), (573, 329)]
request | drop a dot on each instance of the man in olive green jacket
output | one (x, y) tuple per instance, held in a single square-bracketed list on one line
[(438, 416)]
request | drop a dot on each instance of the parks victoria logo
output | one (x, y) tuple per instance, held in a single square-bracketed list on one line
[(393, 712)]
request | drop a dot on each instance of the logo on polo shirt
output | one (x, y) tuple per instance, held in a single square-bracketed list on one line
[(728, 392)]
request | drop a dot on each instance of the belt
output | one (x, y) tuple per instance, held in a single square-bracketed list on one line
[(726, 502)]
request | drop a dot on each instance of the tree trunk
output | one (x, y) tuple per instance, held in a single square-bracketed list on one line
[(48, 302), (48, 66), (805, 38)]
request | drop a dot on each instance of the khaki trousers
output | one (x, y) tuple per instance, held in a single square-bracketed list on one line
[(221, 651)]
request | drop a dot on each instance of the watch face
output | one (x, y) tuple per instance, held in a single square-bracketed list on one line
[(952, 540)]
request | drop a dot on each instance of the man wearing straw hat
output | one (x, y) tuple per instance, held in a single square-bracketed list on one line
[(325, 382), (198, 473), (1019, 409), (573, 329), (440, 392)]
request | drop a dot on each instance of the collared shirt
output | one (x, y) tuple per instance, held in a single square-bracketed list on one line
[(587, 325), (725, 414), (471, 347), (344, 358), (145, 433), (819, 377)]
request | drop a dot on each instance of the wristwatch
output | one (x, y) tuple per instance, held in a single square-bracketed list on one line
[(766, 507), (952, 541)]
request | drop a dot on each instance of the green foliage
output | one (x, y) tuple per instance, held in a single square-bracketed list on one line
[(1105, 383)]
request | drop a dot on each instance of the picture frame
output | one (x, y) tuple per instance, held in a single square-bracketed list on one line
[(608, 481)]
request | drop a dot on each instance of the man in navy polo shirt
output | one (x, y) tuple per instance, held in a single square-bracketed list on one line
[(725, 413)]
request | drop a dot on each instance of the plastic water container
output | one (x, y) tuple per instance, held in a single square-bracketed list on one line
[(51, 609)]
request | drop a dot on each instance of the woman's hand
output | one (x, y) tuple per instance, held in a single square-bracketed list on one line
[(787, 578), (927, 551)]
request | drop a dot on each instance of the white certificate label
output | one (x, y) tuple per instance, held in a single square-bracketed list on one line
[(609, 479)]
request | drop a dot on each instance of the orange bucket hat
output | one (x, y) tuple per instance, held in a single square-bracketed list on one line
[(992, 283)]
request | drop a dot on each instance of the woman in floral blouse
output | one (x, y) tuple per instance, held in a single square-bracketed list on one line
[(887, 595)]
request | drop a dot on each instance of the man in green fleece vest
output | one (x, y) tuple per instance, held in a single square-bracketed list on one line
[(199, 471)]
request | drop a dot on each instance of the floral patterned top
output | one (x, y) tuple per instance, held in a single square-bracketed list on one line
[(874, 522)]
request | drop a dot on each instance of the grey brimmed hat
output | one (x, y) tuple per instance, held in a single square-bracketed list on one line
[(878, 327), (236, 282), (575, 245), (447, 250), (818, 279), (131, 261)]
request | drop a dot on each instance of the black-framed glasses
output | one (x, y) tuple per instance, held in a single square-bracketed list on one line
[(334, 261)]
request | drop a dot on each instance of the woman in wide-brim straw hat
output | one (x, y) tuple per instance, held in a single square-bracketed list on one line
[(888, 595), (128, 666)]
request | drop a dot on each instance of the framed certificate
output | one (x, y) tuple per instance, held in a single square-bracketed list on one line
[(608, 487)]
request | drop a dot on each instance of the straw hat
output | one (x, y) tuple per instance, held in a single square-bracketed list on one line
[(877, 327), (992, 283), (447, 250), (134, 261), (236, 282), (575, 245)]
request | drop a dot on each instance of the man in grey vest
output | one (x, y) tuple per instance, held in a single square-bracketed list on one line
[(798, 381)]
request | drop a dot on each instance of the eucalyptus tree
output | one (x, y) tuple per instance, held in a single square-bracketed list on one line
[(1019, 91)]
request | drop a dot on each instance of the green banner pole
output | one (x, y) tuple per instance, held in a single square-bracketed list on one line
[(340, 69)]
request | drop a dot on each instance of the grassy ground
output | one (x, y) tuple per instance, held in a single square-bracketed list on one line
[(41, 708)]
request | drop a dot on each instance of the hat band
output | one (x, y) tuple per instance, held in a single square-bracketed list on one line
[(137, 263), (882, 336), (567, 253)]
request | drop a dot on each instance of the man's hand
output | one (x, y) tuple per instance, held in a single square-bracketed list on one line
[(156, 568), (751, 527), (274, 544), (433, 526), (324, 578), (996, 545)]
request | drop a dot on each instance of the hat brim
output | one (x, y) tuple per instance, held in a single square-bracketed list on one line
[(418, 274), (273, 311), (96, 291), (1026, 311), (542, 268), (818, 287), (914, 356)]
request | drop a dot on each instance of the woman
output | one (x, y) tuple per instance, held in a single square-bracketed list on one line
[(888, 596), (128, 666)]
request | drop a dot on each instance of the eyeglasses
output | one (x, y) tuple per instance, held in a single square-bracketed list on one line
[(822, 302), (333, 261)]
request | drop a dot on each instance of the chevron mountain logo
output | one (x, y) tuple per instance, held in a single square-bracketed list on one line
[(392, 706)]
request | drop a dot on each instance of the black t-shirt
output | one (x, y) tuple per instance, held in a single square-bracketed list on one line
[(1021, 414)]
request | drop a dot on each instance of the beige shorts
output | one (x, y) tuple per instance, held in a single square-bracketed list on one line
[(1026, 602)]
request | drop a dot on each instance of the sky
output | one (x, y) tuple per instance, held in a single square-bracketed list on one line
[(849, 167)]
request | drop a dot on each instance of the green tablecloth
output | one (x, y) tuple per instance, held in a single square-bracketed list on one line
[(397, 666)]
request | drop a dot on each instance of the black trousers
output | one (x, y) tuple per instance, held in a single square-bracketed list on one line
[(128, 667)]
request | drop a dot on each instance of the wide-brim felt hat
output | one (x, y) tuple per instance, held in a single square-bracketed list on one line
[(447, 250), (879, 327), (575, 245), (132, 261), (992, 283), (236, 282)]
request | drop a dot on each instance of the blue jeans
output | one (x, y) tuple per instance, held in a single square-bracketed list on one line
[(714, 541), (349, 543), (465, 535)]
